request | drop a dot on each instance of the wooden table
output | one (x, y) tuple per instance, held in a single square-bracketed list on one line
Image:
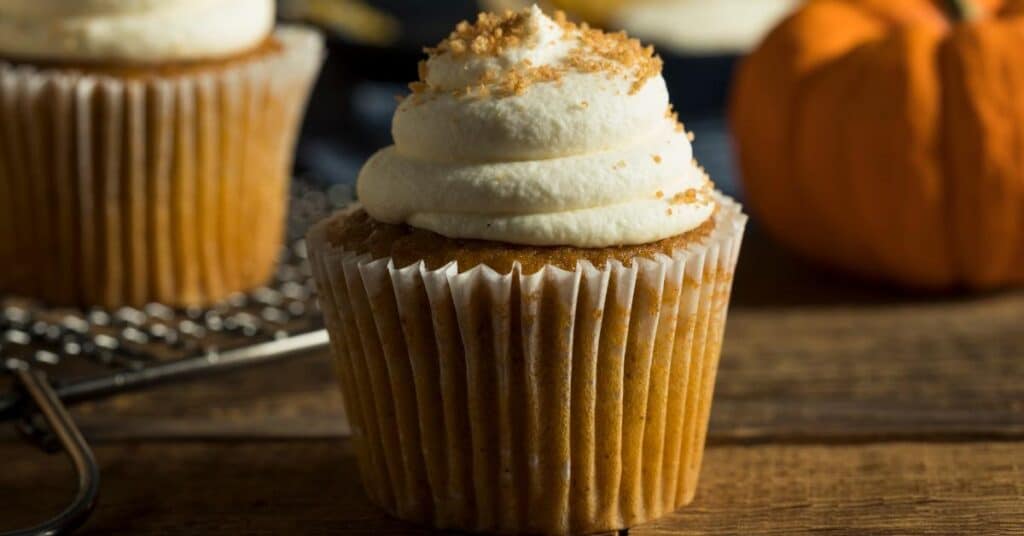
[(840, 407)]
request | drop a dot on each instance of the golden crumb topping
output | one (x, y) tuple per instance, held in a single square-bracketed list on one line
[(688, 196), (593, 51), (674, 116), (490, 35), (612, 53)]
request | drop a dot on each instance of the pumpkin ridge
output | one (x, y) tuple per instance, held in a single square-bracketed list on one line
[(811, 192), (983, 152), (816, 14)]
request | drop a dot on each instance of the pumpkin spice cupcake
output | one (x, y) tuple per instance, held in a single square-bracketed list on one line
[(145, 147), (528, 307)]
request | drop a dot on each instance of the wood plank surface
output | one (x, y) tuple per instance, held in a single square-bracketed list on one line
[(310, 487)]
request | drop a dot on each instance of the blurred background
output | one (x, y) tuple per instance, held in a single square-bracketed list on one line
[(872, 396), (375, 45)]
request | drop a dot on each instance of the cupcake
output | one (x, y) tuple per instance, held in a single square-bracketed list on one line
[(527, 308), (146, 146)]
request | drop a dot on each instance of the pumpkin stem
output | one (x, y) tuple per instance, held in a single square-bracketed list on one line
[(962, 10)]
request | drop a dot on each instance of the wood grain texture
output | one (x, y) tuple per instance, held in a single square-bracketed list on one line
[(890, 372), (813, 356), (897, 488), (295, 398), (311, 487)]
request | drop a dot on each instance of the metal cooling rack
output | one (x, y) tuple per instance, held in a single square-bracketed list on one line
[(58, 357)]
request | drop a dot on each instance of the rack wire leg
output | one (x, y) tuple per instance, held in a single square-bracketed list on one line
[(59, 421)]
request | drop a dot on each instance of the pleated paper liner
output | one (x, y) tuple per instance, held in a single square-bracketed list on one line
[(126, 191), (561, 401)]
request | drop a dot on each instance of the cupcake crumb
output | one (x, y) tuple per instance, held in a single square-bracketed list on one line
[(407, 245), (673, 116), (693, 196)]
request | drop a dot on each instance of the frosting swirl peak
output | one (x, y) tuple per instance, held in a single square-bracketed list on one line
[(532, 130)]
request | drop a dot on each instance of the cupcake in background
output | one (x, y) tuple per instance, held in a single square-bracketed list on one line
[(702, 27), (685, 27), (146, 147), (527, 310)]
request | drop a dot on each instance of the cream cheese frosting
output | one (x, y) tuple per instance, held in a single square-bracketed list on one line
[(136, 31), (530, 130)]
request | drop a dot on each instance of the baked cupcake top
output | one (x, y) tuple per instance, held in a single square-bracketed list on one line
[(132, 31), (532, 130)]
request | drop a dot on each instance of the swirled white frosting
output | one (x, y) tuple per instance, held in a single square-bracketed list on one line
[(592, 159), (138, 31)]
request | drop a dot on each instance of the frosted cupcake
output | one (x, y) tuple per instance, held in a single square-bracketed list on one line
[(145, 146), (528, 307)]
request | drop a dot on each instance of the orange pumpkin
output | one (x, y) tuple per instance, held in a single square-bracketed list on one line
[(886, 137)]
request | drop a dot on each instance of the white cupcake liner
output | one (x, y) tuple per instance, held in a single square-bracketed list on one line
[(560, 401), (161, 188)]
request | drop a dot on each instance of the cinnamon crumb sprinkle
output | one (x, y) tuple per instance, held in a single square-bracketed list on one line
[(669, 212), (690, 136), (615, 54), (457, 48), (691, 196), (657, 158), (687, 197), (518, 79), (659, 194), (673, 116), (490, 35)]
